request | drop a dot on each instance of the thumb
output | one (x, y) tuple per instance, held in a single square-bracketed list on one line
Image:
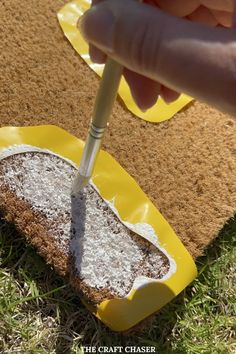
[(125, 30)]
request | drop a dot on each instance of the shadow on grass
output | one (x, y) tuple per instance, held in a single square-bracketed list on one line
[(76, 326)]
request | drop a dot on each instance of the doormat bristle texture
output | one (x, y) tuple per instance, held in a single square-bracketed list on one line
[(187, 165), (78, 233)]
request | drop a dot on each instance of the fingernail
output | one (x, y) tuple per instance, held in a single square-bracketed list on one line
[(97, 27)]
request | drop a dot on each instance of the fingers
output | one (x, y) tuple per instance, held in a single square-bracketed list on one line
[(96, 55), (180, 8), (182, 55), (223, 18), (144, 90), (183, 8), (169, 95), (204, 16), (209, 12), (221, 5), (135, 37), (221, 10)]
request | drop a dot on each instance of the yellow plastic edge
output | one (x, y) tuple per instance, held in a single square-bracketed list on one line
[(68, 17), (133, 206)]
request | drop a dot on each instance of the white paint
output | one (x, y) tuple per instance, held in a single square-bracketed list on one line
[(107, 254)]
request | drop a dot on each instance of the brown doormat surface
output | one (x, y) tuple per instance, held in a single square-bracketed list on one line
[(187, 165)]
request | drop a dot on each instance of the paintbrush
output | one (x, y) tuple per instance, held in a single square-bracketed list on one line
[(105, 99)]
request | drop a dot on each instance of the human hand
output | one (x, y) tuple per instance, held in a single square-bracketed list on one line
[(209, 12), (163, 54)]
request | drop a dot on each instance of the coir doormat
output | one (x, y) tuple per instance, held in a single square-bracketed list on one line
[(186, 165)]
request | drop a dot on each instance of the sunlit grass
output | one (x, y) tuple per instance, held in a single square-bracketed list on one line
[(40, 313)]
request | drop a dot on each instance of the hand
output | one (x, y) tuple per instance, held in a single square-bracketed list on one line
[(209, 12), (163, 54)]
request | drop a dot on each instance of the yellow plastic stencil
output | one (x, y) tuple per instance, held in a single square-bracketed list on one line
[(68, 17), (133, 206)]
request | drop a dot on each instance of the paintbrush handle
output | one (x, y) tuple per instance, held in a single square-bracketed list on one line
[(105, 98), (107, 93)]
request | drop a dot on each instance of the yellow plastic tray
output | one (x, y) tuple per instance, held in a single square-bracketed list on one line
[(68, 17), (114, 184)]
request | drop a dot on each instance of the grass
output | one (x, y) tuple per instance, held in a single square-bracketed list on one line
[(39, 313)]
